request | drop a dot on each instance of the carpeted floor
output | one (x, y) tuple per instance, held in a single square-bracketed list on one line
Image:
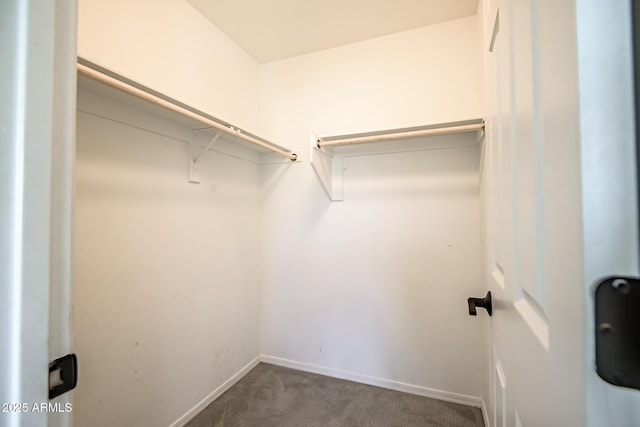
[(272, 396)]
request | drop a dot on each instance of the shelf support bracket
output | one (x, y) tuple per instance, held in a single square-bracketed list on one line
[(328, 168), (194, 159)]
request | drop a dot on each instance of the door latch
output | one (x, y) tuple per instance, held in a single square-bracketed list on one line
[(617, 316), (63, 375)]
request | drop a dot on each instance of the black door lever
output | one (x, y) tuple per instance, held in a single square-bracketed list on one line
[(479, 302)]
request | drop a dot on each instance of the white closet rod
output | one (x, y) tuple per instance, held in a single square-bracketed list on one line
[(111, 81), (399, 135)]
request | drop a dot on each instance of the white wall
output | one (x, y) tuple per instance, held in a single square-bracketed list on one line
[(412, 78), (376, 285), (169, 46), (167, 274)]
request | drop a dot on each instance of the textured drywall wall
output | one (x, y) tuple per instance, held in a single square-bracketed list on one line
[(376, 285), (167, 279), (169, 46)]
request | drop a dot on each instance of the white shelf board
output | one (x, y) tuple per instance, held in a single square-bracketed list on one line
[(327, 162)]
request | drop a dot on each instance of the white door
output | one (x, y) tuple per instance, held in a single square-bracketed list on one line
[(37, 47), (538, 268)]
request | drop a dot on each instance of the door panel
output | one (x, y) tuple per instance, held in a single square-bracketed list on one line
[(526, 152), (500, 392), (532, 179)]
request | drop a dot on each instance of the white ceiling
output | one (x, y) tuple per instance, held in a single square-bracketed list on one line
[(270, 30)]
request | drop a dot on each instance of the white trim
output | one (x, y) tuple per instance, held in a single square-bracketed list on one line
[(485, 415), (375, 381), (184, 419), (335, 373)]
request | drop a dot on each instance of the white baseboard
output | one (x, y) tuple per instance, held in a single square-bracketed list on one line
[(336, 373), (216, 393), (485, 414), (379, 382)]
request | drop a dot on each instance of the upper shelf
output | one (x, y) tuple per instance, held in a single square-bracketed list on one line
[(405, 133), (107, 77), (328, 152)]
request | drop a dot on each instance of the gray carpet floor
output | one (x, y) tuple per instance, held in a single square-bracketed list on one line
[(272, 396)]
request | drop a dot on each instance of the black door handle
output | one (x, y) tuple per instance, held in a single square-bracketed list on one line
[(479, 302)]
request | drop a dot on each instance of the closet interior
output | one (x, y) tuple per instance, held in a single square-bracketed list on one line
[(202, 248)]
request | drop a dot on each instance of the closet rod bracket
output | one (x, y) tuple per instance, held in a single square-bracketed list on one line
[(195, 157)]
